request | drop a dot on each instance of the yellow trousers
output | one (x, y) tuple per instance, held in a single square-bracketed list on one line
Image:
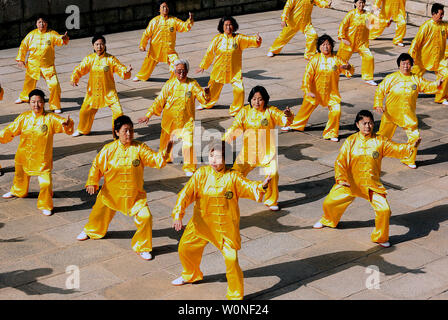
[(288, 33), (149, 64), (188, 151), (191, 248), (387, 129), (102, 215), (87, 115), (54, 87), (306, 109), (340, 197), (21, 184), (238, 95), (400, 32), (367, 61), (271, 195)]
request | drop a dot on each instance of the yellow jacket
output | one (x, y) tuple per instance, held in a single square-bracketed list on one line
[(162, 32), (227, 51), (354, 29), (177, 102), (35, 150), (297, 13), (259, 145), (428, 46), (122, 168), (41, 52), (216, 213), (359, 162), (321, 77), (391, 8), (402, 93), (101, 90)]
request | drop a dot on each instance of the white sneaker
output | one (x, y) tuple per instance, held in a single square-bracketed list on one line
[(445, 102), (8, 195), (46, 212), (135, 79), (318, 225), (18, 101), (58, 111), (178, 282), (82, 236), (189, 173), (76, 134), (400, 44), (145, 255), (334, 139), (274, 208), (384, 244), (412, 166), (285, 129), (371, 82), (199, 107), (270, 54)]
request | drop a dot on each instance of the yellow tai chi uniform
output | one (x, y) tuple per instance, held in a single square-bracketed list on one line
[(401, 94), (354, 29), (297, 15), (101, 91), (162, 32), (40, 46), (227, 51), (34, 156), (259, 144), (428, 46), (122, 168), (216, 219), (359, 164), (1, 93), (442, 72), (322, 78), (177, 102), (390, 9)]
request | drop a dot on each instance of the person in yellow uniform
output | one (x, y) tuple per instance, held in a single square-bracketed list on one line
[(257, 122), (401, 90), (1, 98), (357, 174), (428, 46), (34, 156), (442, 73), (215, 189), (296, 16), (40, 44), (320, 85), (162, 32), (354, 35), (226, 50), (122, 163), (176, 102), (388, 11), (101, 91)]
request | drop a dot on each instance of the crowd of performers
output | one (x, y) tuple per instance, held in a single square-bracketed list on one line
[(215, 188)]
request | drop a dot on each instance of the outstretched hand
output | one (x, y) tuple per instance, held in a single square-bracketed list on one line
[(177, 225)]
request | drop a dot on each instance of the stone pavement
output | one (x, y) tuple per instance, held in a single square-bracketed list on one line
[(282, 256)]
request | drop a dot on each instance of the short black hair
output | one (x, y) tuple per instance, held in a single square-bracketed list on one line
[(225, 149), (36, 92), (160, 2), (436, 7), (42, 16), (405, 57), (262, 91), (322, 39), (357, 1), (232, 21), (98, 36), (119, 122), (363, 114)]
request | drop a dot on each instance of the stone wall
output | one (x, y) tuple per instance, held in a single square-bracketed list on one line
[(108, 16)]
